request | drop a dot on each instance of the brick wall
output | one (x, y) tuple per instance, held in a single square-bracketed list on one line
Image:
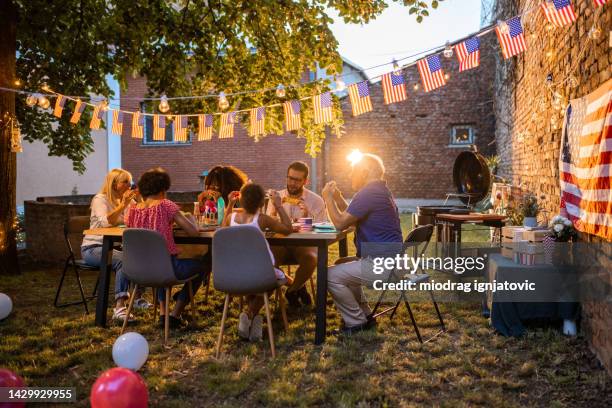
[(527, 141), (412, 137)]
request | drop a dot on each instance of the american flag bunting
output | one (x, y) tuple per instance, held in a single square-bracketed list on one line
[(118, 122), (599, 3), (226, 128), (159, 127), (60, 101), (137, 125), (180, 128), (468, 54), (96, 117), (258, 118), (292, 115), (559, 12), (323, 108), (513, 42), (78, 111), (359, 95), (432, 75), (394, 87), (205, 127)]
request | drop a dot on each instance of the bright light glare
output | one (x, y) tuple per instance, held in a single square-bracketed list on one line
[(354, 157)]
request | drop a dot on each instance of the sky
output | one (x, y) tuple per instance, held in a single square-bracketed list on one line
[(396, 34)]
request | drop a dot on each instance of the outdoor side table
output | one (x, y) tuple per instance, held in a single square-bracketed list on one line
[(510, 310)]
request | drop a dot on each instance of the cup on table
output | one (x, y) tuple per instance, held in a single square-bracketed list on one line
[(305, 224)]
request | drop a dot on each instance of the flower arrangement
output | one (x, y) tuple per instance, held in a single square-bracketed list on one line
[(562, 229), (529, 206)]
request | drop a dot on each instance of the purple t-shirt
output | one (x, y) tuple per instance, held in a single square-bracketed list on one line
[(379, 220)]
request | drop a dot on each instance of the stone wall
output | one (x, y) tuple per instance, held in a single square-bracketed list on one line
[(528, 128)]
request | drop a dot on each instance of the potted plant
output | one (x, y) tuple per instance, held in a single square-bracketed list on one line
[(529, 208)]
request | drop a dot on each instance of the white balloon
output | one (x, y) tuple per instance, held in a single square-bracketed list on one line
[(130, 351), (6, 305)]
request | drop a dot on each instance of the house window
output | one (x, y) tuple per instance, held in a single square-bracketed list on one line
[(169, 139), (462, 135)]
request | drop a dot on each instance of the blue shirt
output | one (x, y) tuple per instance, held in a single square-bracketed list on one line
[(379, 220)]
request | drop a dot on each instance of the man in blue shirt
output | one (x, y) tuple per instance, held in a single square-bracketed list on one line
[(378, 233)]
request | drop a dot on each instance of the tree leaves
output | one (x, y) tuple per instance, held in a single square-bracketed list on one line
[(201, 47)]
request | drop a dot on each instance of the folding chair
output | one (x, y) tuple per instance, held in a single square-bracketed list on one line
[(75, 225), (419, 236)]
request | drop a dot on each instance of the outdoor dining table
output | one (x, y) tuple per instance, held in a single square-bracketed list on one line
[(320, 240)]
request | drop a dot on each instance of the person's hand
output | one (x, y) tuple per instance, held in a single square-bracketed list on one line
[(328, 190), (127, 198), (234, 197), (304, 208)]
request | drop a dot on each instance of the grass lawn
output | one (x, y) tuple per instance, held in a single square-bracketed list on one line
[(467, 366)]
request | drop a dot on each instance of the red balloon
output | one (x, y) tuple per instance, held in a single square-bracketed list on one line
[(10, 379), (119, 388)]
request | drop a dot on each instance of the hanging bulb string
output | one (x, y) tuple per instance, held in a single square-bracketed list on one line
[(430, 51)]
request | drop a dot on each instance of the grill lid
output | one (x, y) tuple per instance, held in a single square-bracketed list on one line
[(471, 176)]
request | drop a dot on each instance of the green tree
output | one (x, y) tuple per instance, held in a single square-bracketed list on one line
[(182, 47)]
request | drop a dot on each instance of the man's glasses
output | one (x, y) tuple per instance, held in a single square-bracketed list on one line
[(294, 179)]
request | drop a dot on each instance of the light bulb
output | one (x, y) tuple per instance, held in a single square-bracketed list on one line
[(223, 103), (416, 87), (595, 32), (340, 85), (45, 87), (164, 106), (503, 27), (104, 105), (280, 91), (549, 53), (43, 102), (572, 81), (17, 82), (355, 157), (446, 76), (31, 100), (448, 51)]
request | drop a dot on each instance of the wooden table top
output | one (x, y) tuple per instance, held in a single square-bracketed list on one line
[(471, 217), (209, 232)]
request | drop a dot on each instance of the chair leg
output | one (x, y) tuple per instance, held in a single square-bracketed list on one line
[(61, 284), (437, 311), (95, 291), (414, 324), (167, 317), (129, 309), (283, 307), (192, 313), (395, 309), (223, 317), (312, 288), (207, 289), (76, 272), (155, 303), (270, 330)]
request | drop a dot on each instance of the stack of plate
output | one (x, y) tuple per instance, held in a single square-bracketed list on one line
[(324, 227)]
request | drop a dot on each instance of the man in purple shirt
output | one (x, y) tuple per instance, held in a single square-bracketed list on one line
[(378, 233)]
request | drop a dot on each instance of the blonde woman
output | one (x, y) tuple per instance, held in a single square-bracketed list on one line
[(107, 210)]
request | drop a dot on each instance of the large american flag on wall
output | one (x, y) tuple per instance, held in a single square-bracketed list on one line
[(585, 163)]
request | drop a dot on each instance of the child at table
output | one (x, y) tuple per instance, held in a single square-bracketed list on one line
[(158, 213), (251, 197)]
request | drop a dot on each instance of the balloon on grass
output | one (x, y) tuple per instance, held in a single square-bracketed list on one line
[(6, 306), (130, 351), (119, 388)]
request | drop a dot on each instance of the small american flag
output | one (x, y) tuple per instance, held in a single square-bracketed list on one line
[(585, 162), (431, 72), (258, 118), (96, 118), (394, 87), (292, 115), (159, 127), (468, 54), (599, 3), (60, 101), (180, 128), (117, 122), (359, 94), (323, 111), (512, 42), (205, 127), (559, 12), (226, 129), (137, 125), (78, 111)]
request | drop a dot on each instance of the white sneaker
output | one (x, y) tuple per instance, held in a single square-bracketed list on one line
[(244, 325), (569, 327), (256, 329), (119, 315)]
